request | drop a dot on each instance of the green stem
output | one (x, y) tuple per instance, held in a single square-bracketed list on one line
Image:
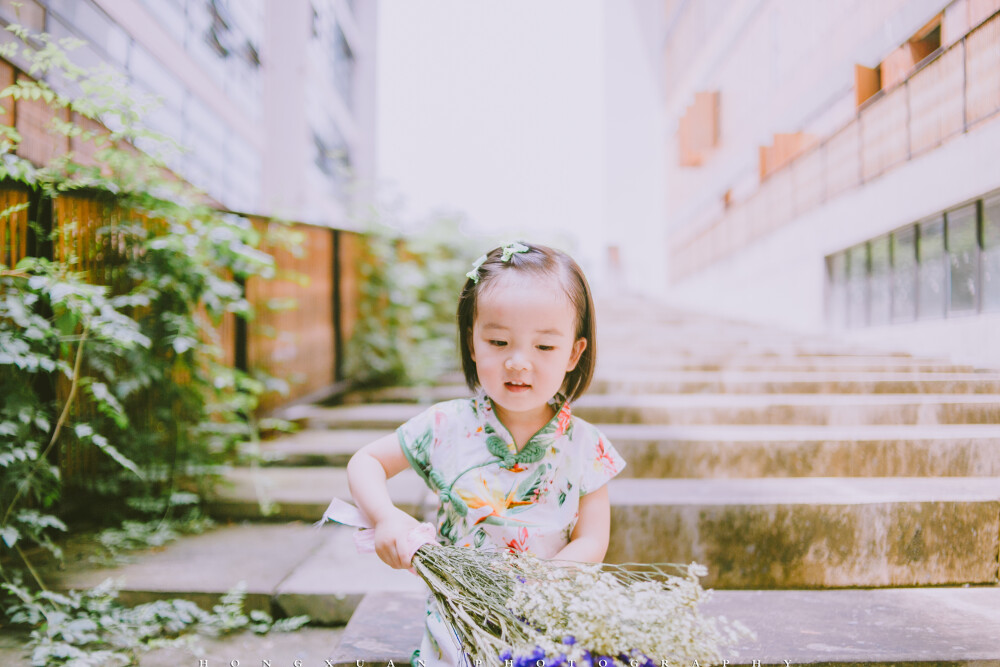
[(27, 563), (74, 384)]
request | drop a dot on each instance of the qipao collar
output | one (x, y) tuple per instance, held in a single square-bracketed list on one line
[(500, 442)]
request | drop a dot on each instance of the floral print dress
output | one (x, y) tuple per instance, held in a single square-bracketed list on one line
[(492, 496)]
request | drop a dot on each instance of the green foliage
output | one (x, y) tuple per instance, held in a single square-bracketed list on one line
[(405, 333), (121, 360), (93, 628), (47, 318), (153, 530)]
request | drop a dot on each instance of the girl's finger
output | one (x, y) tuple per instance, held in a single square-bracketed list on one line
[(386, 553)]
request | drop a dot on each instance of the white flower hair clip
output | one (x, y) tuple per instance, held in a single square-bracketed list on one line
[(511, 248), (473, 275)]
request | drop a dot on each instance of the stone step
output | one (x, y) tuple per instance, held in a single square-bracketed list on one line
[(701, 343), (610, 359), (656, 451), (680, 409), (813, 532), (816, 409), (291, 569), (295, 568), (726, 382), (300, 493), (899, 626), (652, 450), (312, 447), (792, 382), (422, 395)]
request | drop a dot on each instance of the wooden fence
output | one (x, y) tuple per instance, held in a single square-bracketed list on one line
[(302, 317)]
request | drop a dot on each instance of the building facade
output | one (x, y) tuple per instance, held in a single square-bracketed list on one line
[(269, 99), (832, 167)]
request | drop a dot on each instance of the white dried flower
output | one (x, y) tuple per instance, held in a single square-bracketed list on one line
[(503, 604)]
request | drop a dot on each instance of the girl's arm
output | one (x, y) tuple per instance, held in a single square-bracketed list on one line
[(589, 541), (367, 473)]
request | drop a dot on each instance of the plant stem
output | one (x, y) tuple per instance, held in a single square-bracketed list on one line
[(74, 383), (27, 563)]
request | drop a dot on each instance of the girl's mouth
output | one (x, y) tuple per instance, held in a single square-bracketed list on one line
[(516, 386)]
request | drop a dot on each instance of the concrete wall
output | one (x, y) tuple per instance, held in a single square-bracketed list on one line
[(246, 110)]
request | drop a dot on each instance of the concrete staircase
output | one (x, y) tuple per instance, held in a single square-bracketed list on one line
[(846, 503)]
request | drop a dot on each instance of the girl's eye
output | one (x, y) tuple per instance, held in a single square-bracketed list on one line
[(498, 343), (546, 348)]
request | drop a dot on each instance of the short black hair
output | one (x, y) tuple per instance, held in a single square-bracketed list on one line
[(541, 261)]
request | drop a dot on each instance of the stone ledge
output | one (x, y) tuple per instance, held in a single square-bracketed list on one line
[(813, 532), (302, 493), (919, 626), (714, 408)]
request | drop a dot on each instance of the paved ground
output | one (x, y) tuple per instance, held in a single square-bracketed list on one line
[(310, 645)]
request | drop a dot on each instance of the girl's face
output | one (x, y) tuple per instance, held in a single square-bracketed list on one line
[(524, 342)]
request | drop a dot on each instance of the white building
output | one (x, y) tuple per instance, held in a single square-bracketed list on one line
[(832, 166), (272, 99)]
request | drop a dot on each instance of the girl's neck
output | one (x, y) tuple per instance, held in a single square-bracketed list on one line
[(522, 426)]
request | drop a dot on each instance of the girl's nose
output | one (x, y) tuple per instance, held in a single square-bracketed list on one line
[(516, 362)]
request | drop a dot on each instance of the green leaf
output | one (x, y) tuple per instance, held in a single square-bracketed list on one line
[(9, 534), (527, 488), (182, 344), (102, 443)]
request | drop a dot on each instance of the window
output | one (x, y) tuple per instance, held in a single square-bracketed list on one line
[(836, 267), (963, 260), (332, 157), (857, 286), (904, 274), (991, 255), (343, 65), (219, 35), (947, 265), (931, 273), (879, 282)]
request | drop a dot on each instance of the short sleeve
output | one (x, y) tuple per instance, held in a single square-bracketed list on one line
[(415, 439), (601, 461)]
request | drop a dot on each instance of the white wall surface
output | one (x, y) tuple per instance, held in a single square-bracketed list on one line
[(634, 170), (496, 109), (779, 279)]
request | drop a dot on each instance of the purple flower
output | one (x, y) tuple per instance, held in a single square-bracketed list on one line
[(530, 659), (505, 655), (569, 639)]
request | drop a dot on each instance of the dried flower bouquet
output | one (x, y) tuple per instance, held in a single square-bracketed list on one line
[(507, 606)]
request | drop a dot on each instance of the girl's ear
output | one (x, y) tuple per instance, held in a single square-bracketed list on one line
[(578, 347)]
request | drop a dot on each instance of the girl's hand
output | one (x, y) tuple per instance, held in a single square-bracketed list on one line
[(391, 538)]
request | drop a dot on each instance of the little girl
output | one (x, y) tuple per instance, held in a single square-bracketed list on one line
[(512, 467)]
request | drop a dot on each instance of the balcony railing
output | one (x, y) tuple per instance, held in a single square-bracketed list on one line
[(952, 92)]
